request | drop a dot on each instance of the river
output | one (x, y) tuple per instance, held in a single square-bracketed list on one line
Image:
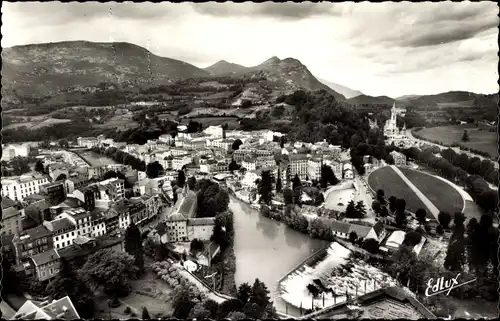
[(94, 159), (267, 250)]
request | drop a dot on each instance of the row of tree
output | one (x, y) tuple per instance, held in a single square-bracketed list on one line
[(483, 195), (121, 157)]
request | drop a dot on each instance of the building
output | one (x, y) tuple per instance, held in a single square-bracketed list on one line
[(16, 150), (63, 232), (394, 134), (265, 161), (314, 168), (388, 303), (298, 165), (88, 142), (340, 229), (57, 169), (55, 191), (224, 144), (249, 164), (45, 265), (62, 309), (399, 159), (214, 131), (12, 215), (32, 242), (76, 182), (98, 223), (182, 224), (363, 232), (18, 188)]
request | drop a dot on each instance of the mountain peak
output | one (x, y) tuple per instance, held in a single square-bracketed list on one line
[(271, 61)]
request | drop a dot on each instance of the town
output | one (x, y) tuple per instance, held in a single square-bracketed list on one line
[(165, 205)]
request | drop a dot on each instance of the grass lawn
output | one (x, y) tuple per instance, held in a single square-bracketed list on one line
[(479, 137), (50, 122), (442, 195), (388, 180)]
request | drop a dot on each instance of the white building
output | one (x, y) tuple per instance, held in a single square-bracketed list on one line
[(249, 164), (214, 131), (15, 150), (18, 188), (314, 168), (394, 134), (88, 142), (69, 225)]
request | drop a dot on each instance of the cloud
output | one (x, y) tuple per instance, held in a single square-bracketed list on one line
[(286, 11)]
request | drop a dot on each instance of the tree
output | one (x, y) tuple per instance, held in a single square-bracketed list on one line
[(69, 283), (63, 143), (296, 182), (389, 159), (236, 144), (109, 269), (392, 204), (360, 209), (421, 214), (192, 183), (181, 178), (377, 208), (288, 196), (350, 210), (297, 195), (353, 236), (444, 219), (233, 166), (39, 167), (259, 300), (212, 307), (182, 302), (371, 245), (244, 292), (145, 314), (455, 255), (154, 169), (265, 187), (133, 244), (380, 197), (412, 238), (279, 186), (327, 176), (199, 312), (61, 177), (465, 136)]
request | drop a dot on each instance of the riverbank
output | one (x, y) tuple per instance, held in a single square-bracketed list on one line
[(94, 159)]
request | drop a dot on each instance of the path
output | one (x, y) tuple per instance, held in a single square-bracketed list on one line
[(432, 209)]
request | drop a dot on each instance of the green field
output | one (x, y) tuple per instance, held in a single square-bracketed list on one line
[(388, 180), (441, 194), (480, 137)]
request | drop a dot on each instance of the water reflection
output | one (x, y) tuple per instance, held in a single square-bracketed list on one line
[(292, 239), (269, 229)]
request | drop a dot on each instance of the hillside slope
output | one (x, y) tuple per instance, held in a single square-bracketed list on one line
[(370, 100), (346, 91), (51, 68)]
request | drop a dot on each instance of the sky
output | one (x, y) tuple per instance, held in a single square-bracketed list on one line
[(384, 48)]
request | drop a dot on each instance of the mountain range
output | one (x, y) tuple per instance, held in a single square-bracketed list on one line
[(42, 70)]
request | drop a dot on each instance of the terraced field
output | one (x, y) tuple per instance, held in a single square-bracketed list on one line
[(387, 179), (441, 194)]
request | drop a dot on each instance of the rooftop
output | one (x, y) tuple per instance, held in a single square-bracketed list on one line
[(7, 202), (36, 232), (10, 212), (45, 257)]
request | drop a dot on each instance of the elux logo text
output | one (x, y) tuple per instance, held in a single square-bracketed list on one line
[(443, 285)]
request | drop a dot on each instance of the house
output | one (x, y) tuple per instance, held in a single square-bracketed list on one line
[(214, 131), (45, 265), (31, 242), (62, 309), (58, 169), (55, 191), (159, 234), (380, 231), (394, 241), (363, 232), (11, 217), (205, 258), (340, 229), (20, 187), (390, 303), (399, 159), (182, 223), (97, 223), (73, 183)]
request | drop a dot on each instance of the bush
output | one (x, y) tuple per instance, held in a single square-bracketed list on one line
[(127, 310), (444, 219)]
